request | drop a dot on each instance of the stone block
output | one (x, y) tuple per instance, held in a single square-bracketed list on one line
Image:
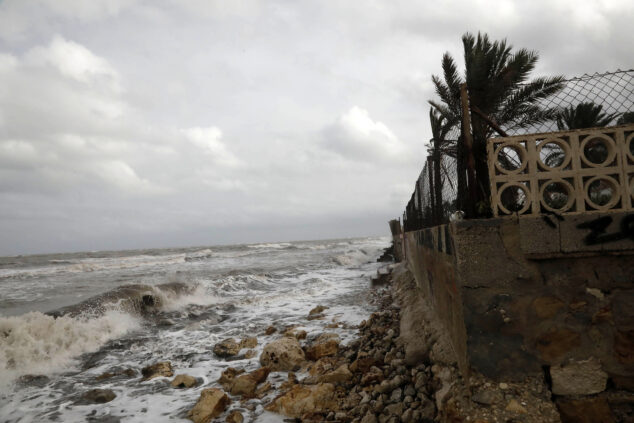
[(578, 378), (537, 236), (574, 239), (585, 410)]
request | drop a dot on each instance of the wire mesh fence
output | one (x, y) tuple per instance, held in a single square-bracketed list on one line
[(441, 188)]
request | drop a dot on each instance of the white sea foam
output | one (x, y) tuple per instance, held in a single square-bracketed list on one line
[(352, 258), (35, 343), (274, 245)]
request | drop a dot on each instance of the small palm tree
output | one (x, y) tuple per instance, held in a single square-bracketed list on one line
[(584, 115), (498, 85)]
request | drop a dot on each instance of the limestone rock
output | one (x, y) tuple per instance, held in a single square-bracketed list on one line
[(302, 399), (324, 349), (250, 353), (484, 397), (235, 417), (228, 376), (339, 375), (246, 384), (283, 354), (211, 404), (270, 330), (317, 310), (578, 378), (184, 381), (227, 348), (97, 396), (161, 369), (515, 407), (249, 342)]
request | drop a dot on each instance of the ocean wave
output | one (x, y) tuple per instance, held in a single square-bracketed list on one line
[(36, 343), (274, 245), (199, 255), (92, 265), (352, 258)]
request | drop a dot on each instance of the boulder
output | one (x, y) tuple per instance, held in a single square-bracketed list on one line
[(340, 375), (302, 399), (246, 384), (270, 330), (228, 376), (184, 381), (250, 354), (317, 310), (235, 417), (249, 342), (211, 404), (227, 348), (578, 378), (161, 369), (97, 396), (323, 349), (283, 354)]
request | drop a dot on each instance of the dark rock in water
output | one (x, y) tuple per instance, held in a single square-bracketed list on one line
[(33, 380), (97, 396), (270, 330), (117, 373), (163, 368)]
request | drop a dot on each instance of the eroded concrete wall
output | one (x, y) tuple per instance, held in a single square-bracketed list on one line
[(520, 296)]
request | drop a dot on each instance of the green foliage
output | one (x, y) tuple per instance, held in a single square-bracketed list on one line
[(584, 115), (627, 117)]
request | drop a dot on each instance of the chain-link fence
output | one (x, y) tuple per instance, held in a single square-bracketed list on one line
[(442, 186)]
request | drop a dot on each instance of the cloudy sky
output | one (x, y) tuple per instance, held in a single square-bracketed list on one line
[(155, 123)]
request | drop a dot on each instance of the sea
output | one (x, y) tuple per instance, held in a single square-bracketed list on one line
[(66, 319)]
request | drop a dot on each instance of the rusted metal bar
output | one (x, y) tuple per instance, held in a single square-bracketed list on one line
[(488, 120), (468, 143)]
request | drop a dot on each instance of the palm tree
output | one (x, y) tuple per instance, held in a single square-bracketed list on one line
[(584, 115), (627, 117), (498, 85), (439, 147)]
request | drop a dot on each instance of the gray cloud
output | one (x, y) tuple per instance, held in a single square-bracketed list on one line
[(136, 123)]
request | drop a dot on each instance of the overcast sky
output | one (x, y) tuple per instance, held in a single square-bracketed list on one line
[(157, 123)]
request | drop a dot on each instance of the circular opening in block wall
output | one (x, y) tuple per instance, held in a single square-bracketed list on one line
[(557, 195), (510, 158), (597, 151), (553, 154), (513, 198), (602, 192)]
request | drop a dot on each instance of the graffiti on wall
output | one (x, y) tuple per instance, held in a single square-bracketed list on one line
[(599, 226)]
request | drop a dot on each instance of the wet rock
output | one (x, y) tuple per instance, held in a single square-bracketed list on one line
[(211, 404), (394, 409), (97, 396), (282, 355), (578, 378), (33, 380), (160, 369), (235, 417), (263, 389), (323, 366), (270, 330), (396, 395), (317, 310), (184, 381), (250, 354), (246, 384), (363, 365), (109, 375), (303, 399), (323, 349), (249, 342), (227, 348), (228, 376), (339, 375)]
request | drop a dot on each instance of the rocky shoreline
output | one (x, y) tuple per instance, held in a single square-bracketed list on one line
[(373, 379)]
